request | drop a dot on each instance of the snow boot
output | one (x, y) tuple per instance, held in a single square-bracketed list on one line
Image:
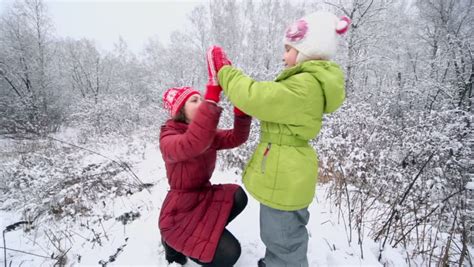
[(173, 255)]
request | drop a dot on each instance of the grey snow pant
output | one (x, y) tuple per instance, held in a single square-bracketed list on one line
[(285, 236)]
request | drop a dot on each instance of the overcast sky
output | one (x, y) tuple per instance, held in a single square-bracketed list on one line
[(106, 20)]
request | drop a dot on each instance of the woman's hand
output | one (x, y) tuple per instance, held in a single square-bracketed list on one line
[(213, 93), (238, 112)]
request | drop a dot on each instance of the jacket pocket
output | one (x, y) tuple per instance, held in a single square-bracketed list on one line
[(264, 159)]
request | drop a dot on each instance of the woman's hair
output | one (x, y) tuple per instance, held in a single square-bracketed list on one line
[(180, 116)]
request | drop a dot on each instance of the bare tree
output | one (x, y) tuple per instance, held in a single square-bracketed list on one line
[(26, 60)]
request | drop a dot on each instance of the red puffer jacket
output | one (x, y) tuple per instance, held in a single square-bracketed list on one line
[(194, 213)]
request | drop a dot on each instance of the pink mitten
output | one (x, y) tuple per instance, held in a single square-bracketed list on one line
[(238, 112), (216, 59), (213, 92)]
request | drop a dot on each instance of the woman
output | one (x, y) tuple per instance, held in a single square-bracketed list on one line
[(195, 212)]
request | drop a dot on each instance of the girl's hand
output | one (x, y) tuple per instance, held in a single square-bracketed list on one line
[(216, 59)]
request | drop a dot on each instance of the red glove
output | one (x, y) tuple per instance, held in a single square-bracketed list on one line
[(238, 112), (216, 59), (213, 92)]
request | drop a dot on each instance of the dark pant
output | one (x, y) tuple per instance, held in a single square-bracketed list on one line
[(228, 249)]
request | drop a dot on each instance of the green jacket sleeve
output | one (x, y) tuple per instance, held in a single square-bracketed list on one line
[(281, 102)]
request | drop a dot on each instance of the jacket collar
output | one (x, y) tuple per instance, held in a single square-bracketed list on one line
[(307, 66)]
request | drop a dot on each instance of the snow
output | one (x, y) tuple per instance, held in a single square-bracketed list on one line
[(470, 185), (101, 236)]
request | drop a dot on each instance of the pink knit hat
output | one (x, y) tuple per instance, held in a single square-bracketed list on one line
[(175, 98)]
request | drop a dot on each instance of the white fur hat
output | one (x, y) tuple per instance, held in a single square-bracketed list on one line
[(315, 35)]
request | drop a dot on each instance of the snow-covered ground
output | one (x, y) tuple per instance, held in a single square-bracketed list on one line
[(89, 241)]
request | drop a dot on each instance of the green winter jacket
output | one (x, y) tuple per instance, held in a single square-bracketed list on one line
[(282, 173)]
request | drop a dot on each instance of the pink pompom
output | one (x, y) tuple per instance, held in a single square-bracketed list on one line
[(343, 25), (297, 31)]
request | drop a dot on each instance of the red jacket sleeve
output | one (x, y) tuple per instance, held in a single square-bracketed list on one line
[(196, 140), (226, 139)]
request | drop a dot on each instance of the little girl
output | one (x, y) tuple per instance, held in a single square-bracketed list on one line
[(195, 212), (283, 170)]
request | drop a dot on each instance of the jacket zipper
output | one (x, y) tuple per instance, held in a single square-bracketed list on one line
[(265, 154)]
